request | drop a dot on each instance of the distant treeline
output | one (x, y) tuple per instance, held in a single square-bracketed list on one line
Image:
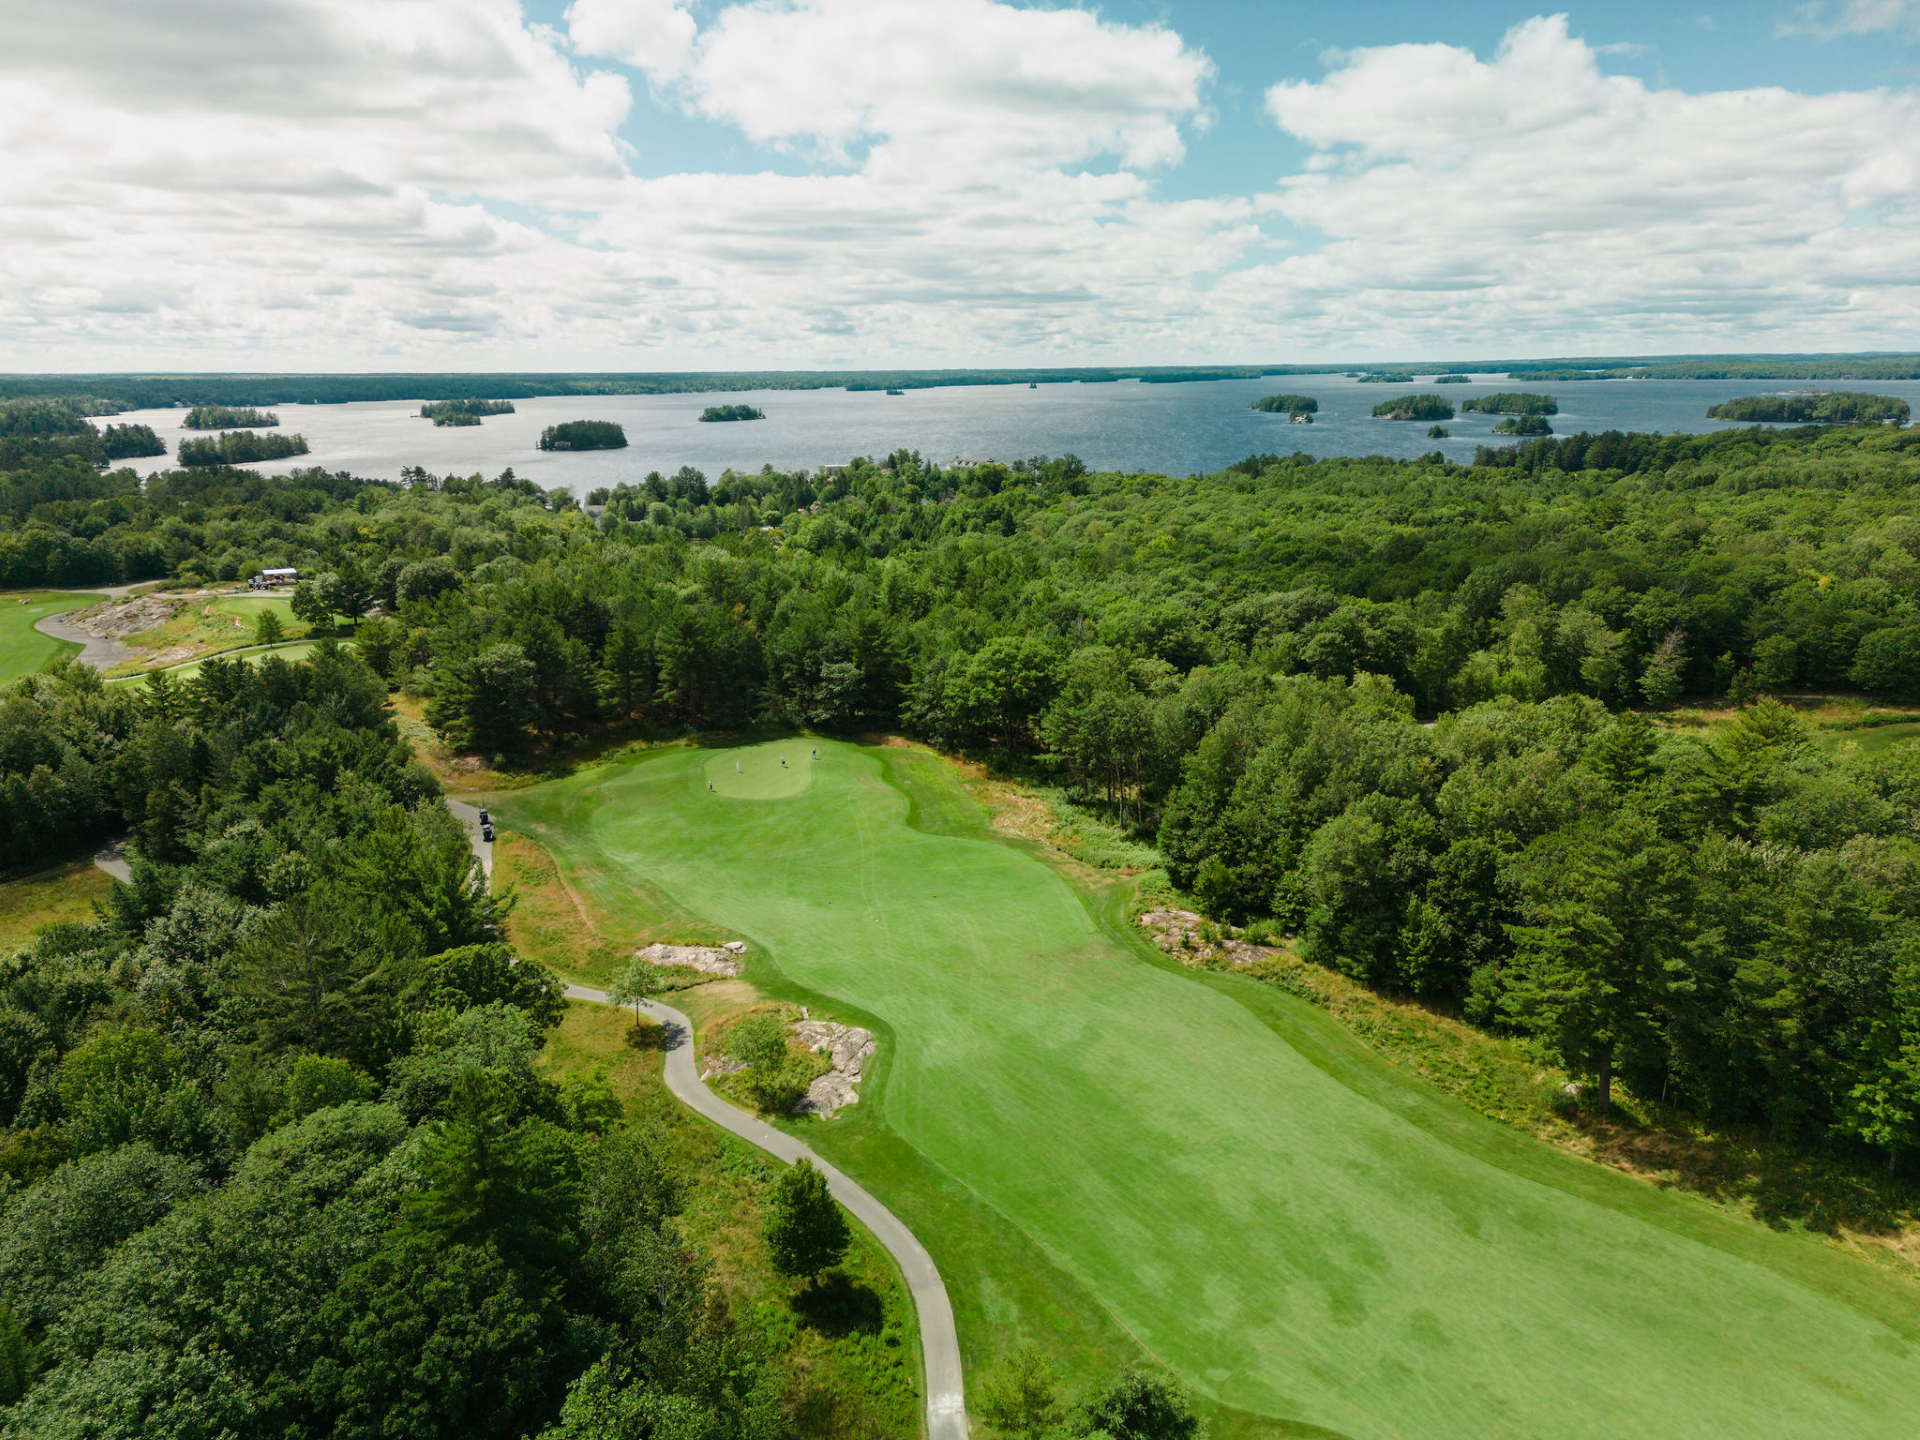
[(107, 393), (584, 435), (1845, 407), (1287, 405), (227, 417), (240, 447), (717, 413), (1414, 407), (1511, 402), (463, 412)]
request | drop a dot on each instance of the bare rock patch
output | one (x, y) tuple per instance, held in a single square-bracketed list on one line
[(708, 959)]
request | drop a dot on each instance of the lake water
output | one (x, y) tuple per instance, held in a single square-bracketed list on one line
[(1172, 429)]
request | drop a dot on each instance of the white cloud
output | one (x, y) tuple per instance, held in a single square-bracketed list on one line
[(651, 35), (384, 184), (1854, 17), (966, 81), (1465, 200)]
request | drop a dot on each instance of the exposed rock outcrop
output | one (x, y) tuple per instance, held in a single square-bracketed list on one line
[(849, 1047), (708, 959), (115, 620), (1183, 935)]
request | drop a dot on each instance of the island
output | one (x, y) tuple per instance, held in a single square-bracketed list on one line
[(902, 392), (1414, 407), (1523, 425), (1512, 402), (1453, 380), (1842, 407), (463, 412), (584, 435), (227, 417), (717, 413), (1287, 405), (1438, 432), (240, 447), (122, 442)]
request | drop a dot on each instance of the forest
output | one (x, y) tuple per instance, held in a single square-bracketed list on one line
[(584, 435), (229, 417), (1287, 405), (37, 428), (718, 413), (1842, 408), (1408, 713), (240, 447)]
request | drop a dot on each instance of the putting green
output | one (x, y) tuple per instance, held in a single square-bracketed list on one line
[(762, 772), (24, 649), (1341, 1248)]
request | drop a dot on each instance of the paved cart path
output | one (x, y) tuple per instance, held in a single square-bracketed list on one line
[(939, 1343)]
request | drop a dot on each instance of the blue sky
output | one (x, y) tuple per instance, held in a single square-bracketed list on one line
[(644, 184)]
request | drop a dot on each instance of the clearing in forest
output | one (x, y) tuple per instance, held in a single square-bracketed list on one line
[(1299, 1230)]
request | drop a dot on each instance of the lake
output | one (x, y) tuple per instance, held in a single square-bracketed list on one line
[(1180, 429)]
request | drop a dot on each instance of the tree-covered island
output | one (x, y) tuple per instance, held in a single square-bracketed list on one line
[(240, 447), (718, 413), (228, 417), (1525, 424), (584, 435), (1287, 405), (1414, 407), (1512, 402), (1843, 407), (463, 412)]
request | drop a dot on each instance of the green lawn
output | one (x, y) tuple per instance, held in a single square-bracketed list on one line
[(295, 650), (24, 649), (1300, 1230), (250, 608)]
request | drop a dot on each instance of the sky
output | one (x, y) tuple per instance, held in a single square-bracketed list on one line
[(355, 185)]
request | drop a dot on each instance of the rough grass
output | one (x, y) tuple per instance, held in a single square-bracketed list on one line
[(850, 1348), (24, 649), (295, 650), (1299, 1227), (66, 892)]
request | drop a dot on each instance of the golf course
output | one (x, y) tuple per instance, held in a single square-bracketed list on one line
[(24, 649), (1295, 1227)]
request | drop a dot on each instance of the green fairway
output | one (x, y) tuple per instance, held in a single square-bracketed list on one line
[(251, 607), (24, 649), (297, 650), (1298, 1229)]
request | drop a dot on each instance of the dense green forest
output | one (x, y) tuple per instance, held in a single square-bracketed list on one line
[(1511, 402), (463, 412), (1843, 408), (715, 413), (276, 1160), (1414, 407), (32, 428), (229, 417), (584, 435), (240, 447), (1287, 405), (1242, 668)]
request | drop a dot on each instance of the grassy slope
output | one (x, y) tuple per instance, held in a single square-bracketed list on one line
[(66, 892), (294, 650), (1294, 1225), (24, 649)]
